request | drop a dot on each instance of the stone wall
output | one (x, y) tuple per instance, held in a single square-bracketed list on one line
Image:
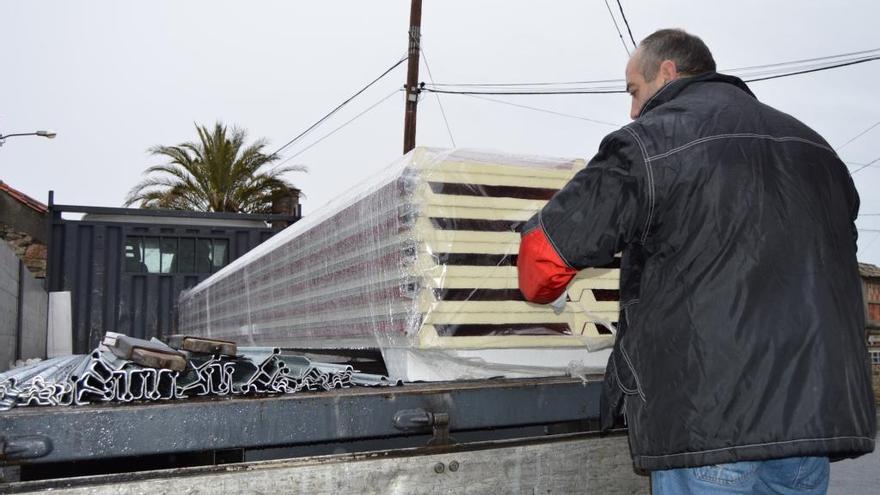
[(31, 251), (23, 226)]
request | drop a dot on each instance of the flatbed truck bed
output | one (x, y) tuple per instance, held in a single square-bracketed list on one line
[(321, 440)]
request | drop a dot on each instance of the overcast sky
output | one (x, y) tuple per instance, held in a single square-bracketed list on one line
[(113, 78)]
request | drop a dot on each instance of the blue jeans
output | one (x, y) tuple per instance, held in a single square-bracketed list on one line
[(801, 475)]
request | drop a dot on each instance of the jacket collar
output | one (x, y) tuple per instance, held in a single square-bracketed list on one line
[(674, 88)]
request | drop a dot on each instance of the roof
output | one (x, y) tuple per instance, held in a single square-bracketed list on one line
[(23, 198), (869, 271)]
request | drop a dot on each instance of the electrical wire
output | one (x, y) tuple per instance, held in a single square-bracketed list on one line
[(858, 135), (819, 69), (742, 72), (861, 164), (559, 83), (635, 45), (862, 53), (871, 242), (442, 110), (766, 69), (617, 28), (334, 131), (584, 91), (501, 93), (854, 172), (338, 107), (545, 110)]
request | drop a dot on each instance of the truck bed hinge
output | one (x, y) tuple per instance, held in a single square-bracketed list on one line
[(415, 419)]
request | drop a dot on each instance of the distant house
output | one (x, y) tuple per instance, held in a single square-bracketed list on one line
[(871, 290), (23, 226)]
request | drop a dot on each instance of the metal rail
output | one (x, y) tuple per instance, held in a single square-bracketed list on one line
[(165, 213), (103, 431), (123, 369)]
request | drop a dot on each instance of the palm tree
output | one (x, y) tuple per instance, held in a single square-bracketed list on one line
[(217, 173)]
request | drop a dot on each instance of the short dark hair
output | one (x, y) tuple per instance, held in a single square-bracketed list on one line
[(690, 54)]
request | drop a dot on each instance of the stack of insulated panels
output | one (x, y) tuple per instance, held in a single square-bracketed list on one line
[(471, 209), (337, 283), (420, 264)]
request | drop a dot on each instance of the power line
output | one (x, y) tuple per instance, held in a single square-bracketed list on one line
[(558, 83), (545, 110), (334, 131), (442, 110), (732, 71), (352, 97), (579, 91), (617, 28), (861, 164), (635, 45), (860, 56), (872, 242), (854, 172), (858, 135), (787, 68), (500, 93), (862, 53), (819, 69)]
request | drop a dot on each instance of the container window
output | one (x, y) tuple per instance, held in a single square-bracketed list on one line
[(134, 255), (203, 255), (169, 255), (152, 255), (220, 254), (175, 255)]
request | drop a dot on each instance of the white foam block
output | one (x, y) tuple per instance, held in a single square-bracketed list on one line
[(471, 364), (59, 341)]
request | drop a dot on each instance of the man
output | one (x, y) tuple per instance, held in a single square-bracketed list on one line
[(740, 359)]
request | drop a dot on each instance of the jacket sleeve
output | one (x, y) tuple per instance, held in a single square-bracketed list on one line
[(604, 207)]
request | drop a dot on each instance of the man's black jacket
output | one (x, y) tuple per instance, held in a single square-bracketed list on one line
[(742, 331)]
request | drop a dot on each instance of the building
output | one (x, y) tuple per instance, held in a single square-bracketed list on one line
[(871, 290), (124, 268), (23, 227), (110, 269)]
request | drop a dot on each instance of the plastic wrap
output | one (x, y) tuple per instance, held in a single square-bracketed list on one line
[(419, 262)]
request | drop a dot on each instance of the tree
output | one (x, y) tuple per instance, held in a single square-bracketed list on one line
[(216, 173)]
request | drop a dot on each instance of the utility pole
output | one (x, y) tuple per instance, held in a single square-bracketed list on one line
[(412, 77)]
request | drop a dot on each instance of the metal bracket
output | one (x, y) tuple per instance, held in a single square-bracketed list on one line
[(413, 419), (24, 447)]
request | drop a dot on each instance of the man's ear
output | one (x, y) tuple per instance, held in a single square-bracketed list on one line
[(668, 71)]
